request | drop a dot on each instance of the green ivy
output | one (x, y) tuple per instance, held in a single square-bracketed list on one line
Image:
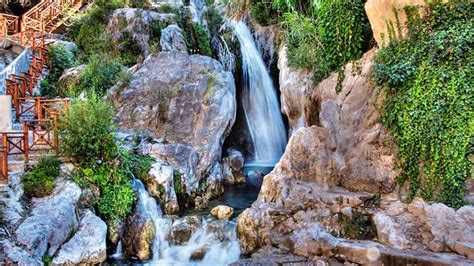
[(326, 36), (429, 106)]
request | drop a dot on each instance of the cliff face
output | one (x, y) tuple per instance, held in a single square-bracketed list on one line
[(336, 181)]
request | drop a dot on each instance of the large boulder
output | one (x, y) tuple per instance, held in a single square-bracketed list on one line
[(87, 246), (187, 102), (53, 220), (388, 17), (138, 24)]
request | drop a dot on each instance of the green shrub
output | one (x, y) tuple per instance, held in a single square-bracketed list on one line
[(116, 192), (100, 75), (139, 165), (41, 180), (86, 132), (326, 36), (60, 59), (429, 107)]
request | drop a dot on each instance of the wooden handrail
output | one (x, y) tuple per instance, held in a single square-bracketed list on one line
[(9, 24)]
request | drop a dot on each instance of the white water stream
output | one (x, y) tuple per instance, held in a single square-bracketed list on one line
[(216, 240), (260, 102)]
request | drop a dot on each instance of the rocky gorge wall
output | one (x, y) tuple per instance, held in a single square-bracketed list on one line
[(336, 180)]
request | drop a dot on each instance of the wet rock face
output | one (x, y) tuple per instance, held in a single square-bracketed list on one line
[(53, 220), (183, 229), (87, 246), (138, 235), (136, 23), (187, 102)]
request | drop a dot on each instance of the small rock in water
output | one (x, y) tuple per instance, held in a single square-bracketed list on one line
[(222, 212), (255, 178), (254, 174)]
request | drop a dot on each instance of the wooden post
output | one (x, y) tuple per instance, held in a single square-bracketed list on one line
[(38, 111), (55, 132), (26, 141), (4, 162)]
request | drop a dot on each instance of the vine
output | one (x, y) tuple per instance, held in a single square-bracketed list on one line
[(428, 80)]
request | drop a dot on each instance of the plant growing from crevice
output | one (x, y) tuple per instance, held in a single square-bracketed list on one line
[(358, 227)]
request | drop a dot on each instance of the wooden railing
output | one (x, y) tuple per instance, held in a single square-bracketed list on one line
[(9, 24), (46, 16), (39, 116)]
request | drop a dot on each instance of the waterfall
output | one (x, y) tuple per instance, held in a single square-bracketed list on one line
[(197, 9), (260, 102), (216, 239)]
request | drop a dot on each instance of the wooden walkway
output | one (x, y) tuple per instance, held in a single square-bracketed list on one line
[(45, 17), (37, 115)]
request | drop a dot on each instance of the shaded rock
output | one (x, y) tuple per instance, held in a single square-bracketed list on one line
[(187, 102), (172, 39), (71, 76), (87, 246), (236, 159), (53, 220), (136, 23), (10, 254), (114, 229), (140, 229), (390, 13), (138, 237), (183, 229), (222, 212)]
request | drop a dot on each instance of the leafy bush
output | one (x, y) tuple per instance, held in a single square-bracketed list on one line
[(116, 191), (430, 105), (86, 132), (41, 180), (60, 59), (100, 75), (325, 36)]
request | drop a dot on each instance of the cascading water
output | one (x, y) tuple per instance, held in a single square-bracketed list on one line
[(218, 239), (197, 9), (260, 102)]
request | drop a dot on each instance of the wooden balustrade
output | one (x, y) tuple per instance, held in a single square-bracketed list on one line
[(39, 116), (46, 16), (9, 24), (42, 134)]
